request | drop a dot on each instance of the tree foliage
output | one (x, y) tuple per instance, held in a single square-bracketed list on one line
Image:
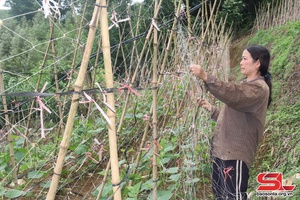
[(20, 7)]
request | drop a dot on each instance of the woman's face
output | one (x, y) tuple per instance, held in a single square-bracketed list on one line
[(249, 66)]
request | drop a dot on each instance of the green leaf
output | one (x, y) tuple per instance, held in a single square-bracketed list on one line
[(165, 160), (134, 191), (96, 131), (107, 190), (128, 116), (45, 184), (134, 177), (172, 170), (139, 115), (175, 177), (169, 147), (19, 155), (20, 142), (14, 193), (35, 174), (2, 167), (195, 180), (81, 149), (147, 185), (162, 195), (2, 191)]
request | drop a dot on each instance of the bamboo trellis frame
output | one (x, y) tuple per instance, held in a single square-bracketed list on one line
[(156, 58), (74, 105)]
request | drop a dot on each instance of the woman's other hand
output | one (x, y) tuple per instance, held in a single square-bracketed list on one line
[(204, 104)]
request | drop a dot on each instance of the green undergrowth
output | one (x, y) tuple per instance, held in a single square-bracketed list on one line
[(280, 151)]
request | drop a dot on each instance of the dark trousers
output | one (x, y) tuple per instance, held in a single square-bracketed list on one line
[(229, 179)]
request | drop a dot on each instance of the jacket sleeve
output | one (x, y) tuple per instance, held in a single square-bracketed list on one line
[(240, 96)]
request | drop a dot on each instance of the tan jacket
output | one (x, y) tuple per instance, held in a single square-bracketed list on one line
[(240, 122)]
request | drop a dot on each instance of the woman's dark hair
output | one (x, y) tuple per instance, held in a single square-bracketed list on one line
[(262, 54)]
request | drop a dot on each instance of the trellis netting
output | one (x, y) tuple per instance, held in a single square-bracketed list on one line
[(184, 130)]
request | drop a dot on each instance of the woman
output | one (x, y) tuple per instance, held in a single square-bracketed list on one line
[(240, 122)]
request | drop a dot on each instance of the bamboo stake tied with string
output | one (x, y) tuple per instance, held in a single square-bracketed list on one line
[(113, 150), (74, 105)]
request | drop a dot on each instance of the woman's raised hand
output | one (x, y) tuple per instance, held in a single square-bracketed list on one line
[(198, 71)]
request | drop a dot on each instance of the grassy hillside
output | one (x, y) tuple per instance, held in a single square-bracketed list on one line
[(280, 149)]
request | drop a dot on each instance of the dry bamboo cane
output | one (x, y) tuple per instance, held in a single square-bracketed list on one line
[(154, 116), (59, 104), (136, 71), (94, 79), (8, 129), (143, 72), (74, 13), (169, 107), (145, 44), (188, 17), (103, 181), (137, 160), (202, 17), (209, 21), (74, 57), (134, 51), (74, 105), (113, 150), (196, 19), (120, 48), (37, 85), (76, 52), (169, 44)]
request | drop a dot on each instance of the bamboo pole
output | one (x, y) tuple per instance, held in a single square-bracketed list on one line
[(37, 86), (74, 105), (76, 49), (197, 18), (188, 17), (136, 70), (154, 115), (7, 125), (169, 43), (113, 150), (59, 104), (103, 181), (134, 51), (166, 117), (75, 52), (96, 66), (137, 160)]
